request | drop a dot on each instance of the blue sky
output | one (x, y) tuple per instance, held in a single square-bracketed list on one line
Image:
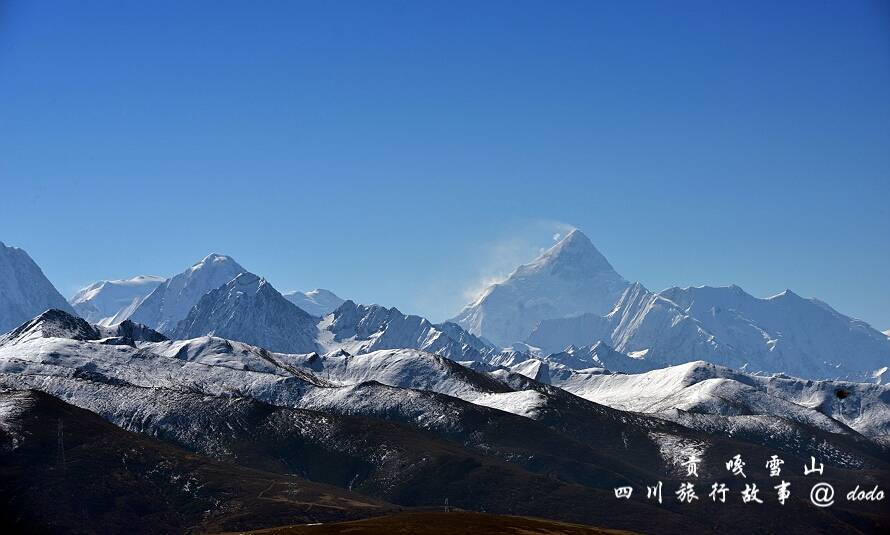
[(404, 152)]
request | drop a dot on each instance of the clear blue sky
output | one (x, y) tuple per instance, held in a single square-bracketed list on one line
[(403, 152)]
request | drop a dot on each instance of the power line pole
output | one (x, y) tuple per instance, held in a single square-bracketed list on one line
[(61, 444)]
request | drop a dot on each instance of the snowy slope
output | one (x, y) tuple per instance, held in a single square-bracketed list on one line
[(111, 301), (24, 289), (318, 302), (782, 334), (250, 310), (403, 368), (67, 348), (171, 301), (571, 278), (60, 354), (537, 369), (697, 387), (704, 388), (599, 355)]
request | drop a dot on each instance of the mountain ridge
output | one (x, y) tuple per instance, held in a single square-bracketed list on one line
[(725, 325)]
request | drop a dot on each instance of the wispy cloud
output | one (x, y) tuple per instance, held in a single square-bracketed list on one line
[(504, 255)]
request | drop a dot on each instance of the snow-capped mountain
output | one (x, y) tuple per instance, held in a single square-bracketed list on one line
[(250, 310), (318, 302), (570, 278), (782, 334), (171, 301), (111, 301), (24, 289), (53, 323), (366, 328)]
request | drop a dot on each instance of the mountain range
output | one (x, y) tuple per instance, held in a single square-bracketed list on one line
[(406, 427), (248, 308), (552, 309), (782, 334), (571, 296), (538, 400)]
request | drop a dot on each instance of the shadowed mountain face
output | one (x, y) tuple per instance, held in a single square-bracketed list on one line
[(250, 310), (171, 301), (66, 470)]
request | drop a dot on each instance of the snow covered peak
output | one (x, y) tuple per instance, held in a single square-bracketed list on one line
[(24, 289), (108, 302), (318, 302), (404, 368), (212, 260), (60, 324), (250, 310), (786, 294), (51, 324), (572, 256), (171, 301), (569, 279)]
